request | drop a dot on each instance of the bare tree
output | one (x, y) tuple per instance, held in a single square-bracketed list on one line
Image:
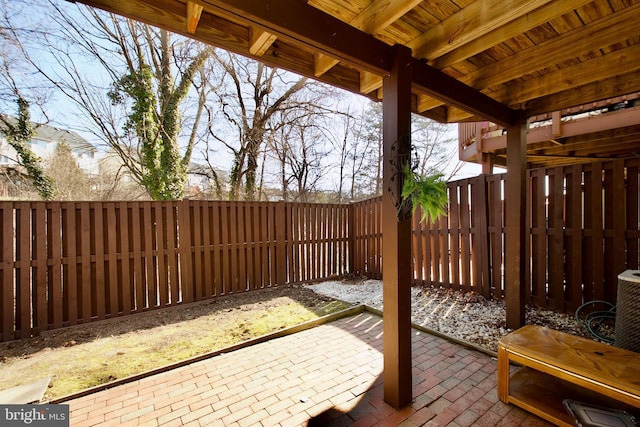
[(18, 130), (434, 148), (357, 142), (298, 147), (250, 96), (132, 82)]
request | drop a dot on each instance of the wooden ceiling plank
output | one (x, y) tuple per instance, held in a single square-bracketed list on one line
[(508, 31), (570, 45), (260, 41), (470, 23), (194, 11), (499, 72)]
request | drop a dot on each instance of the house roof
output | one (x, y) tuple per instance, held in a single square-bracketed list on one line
[(49, 133), (472, 60)]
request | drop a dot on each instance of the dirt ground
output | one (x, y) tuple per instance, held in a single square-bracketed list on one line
[(83, 356)]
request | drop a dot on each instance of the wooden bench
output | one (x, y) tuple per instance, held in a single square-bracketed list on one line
[(558, 366)]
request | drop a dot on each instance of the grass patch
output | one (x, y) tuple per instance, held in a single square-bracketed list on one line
[(82, 360)]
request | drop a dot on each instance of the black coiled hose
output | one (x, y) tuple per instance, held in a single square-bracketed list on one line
[(594, 321)]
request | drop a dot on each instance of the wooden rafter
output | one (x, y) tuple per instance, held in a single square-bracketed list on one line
[(369, 82), (599, 69), (260, 41), (609, 88), (194, 11)]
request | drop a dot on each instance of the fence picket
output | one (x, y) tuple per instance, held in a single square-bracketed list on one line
[(538, 237), (6, 278), (573, 237), (70, 276), (54, 251), (85, 276), (23, 270), (173, 258), (112, 283), (556, 237), (163, 266), (217, 251), (40, 306), (98, 281), (616, 244), (453, 218), (131, 293), (195, 208)]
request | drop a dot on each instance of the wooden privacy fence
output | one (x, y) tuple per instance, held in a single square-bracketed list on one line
[(65, 263), (584, 231)]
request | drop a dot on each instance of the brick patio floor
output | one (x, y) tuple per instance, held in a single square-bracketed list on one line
[(327, 375)]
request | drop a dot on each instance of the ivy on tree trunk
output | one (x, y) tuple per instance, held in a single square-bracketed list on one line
[(18, 136)]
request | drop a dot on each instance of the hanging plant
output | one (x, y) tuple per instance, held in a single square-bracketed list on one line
[(428, 192)]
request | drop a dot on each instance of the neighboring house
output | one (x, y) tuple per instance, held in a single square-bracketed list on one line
[(200, 182), (113, 173), (43, 143)]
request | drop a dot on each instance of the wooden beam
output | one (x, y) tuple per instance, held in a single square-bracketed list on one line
[(194, 11), (516, 222), (470, 23), (397, 272), (439, 85), (381, 13), (311, 27)]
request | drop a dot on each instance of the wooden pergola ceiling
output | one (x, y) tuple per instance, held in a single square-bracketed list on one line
[(474, 60)]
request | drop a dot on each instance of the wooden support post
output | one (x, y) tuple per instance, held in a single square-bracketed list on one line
[(396, 272), (487, 163), (516, 222)]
